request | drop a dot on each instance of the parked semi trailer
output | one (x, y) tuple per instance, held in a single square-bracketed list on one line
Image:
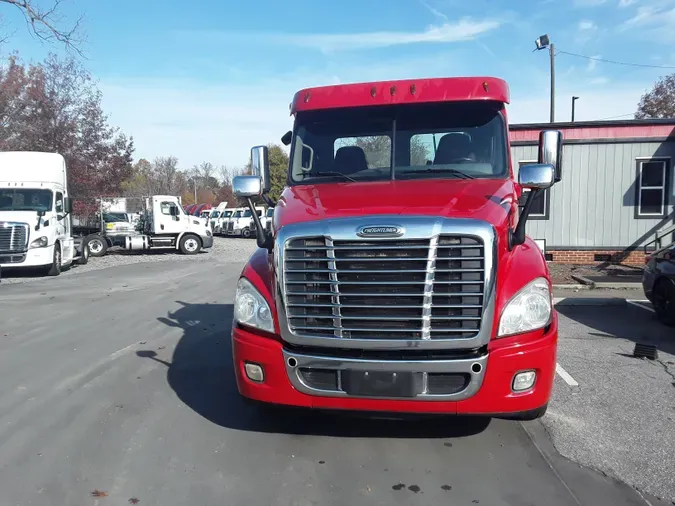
[(397, 276), (35, 213)]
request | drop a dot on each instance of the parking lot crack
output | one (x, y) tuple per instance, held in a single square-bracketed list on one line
[(666, 369)]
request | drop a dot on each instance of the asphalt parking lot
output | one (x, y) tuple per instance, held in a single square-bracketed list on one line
[(117, 388)]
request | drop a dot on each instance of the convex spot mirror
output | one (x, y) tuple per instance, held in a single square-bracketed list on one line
[(536, 176), (247, 186)]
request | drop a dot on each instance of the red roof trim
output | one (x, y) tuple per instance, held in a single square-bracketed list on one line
[(447, 89), (600, 131)]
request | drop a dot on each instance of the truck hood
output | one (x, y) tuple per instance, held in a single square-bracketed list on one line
[(29, 217), (484, 199)]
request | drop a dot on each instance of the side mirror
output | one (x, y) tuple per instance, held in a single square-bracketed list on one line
[(550, 151), (173, 211), (247, 186), (536, 176), (287, 137), (260, 165), (67, 205)]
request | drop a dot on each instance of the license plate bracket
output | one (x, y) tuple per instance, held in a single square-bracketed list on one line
[(378, 383)]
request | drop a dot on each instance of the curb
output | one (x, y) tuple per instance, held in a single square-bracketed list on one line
[(588, 301), (583, 280)]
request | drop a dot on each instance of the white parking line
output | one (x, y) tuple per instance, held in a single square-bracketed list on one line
[(565, 376), (640, 303)]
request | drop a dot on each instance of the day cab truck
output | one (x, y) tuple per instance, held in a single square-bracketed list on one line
[(35, 214), (397, 276)]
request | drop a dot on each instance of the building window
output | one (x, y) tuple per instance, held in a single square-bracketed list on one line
[(651, 188), (541, 205)]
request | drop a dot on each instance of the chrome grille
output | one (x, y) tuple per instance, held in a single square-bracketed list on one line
[(385, 289), (13, 237), (230, 227)]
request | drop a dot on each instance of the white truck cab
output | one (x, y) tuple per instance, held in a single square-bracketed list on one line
[(242, 222), (35, 221), (167, 226)]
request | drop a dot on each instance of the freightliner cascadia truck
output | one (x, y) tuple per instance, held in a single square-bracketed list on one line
[(397, 276)]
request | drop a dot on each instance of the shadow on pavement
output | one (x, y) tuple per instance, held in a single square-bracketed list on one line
[(625, 322), (201, 374)]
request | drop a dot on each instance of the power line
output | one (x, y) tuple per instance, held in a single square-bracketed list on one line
[(616, 62), (617, 117)]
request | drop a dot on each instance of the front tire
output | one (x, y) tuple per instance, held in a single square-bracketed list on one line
[(664, 302), (84, 257), (55, 268), (190, 244)]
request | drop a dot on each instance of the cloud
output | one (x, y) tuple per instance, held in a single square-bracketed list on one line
[(465, 29), (592, 64), (626, 3), (586, 24), (588, 3), (434, 11), (656, 21)]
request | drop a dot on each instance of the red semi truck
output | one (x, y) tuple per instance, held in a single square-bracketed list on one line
[(397, 276)]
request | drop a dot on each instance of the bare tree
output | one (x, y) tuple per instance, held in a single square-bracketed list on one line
[(44, 23), (660, 101)]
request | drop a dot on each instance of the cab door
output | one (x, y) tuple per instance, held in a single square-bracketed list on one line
[(168, 217), (63, 230)]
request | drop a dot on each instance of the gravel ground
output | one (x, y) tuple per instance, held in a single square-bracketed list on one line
[(562, 273), (226, 249), (621, 417)]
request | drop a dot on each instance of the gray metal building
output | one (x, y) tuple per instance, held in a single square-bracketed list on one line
[(616, 191)]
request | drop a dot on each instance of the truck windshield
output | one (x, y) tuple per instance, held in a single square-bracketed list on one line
[(247, 214), (446, 140), (227, 214), (25, 200), (215, 214), (237, 214)]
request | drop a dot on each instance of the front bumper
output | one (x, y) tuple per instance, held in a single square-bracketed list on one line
[(36, 257), (207, 241), (490, 394)]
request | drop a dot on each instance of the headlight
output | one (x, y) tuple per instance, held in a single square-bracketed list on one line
[(40, 242), (529, 309), (251, 308)]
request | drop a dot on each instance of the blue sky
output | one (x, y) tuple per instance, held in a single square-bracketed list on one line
[(207, 79)]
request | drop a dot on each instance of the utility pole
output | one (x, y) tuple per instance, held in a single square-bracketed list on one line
[(194, 180), (574, 99), (545, 42), (551, 51)]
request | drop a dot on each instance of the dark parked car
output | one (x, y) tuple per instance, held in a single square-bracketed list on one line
[(658, 281)]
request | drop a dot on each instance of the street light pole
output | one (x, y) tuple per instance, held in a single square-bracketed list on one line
[(574, 99), (545, 42), (551, 50)]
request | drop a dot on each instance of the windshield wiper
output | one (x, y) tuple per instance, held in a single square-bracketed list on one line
[(330, 174), (455, 172)]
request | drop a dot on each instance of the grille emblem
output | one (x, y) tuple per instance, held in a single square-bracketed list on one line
[(380, 231)]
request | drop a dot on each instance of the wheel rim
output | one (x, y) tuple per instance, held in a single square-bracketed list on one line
[(95, 246), (191, 245)]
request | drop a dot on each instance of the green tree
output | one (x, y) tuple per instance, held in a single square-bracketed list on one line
[(278, 169)]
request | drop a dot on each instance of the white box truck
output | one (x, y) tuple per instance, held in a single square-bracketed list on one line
[(35, 221)]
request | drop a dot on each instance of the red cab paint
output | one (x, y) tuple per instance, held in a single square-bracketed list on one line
[(396, 275)]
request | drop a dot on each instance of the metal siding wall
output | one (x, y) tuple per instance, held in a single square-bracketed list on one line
[(594, 204)]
